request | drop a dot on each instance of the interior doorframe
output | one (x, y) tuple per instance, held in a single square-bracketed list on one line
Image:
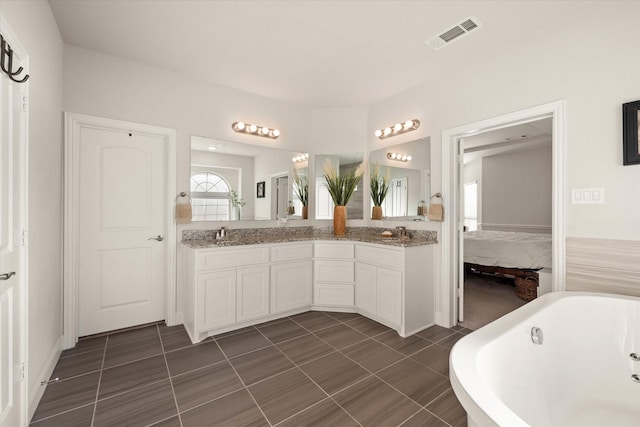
[(22, 341), (74, 122), (450, 185)]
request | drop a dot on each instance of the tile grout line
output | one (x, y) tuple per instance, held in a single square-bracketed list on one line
[(328, 397), (166, 364), (438, 397), (374, 374), (66, 411), (316, 384), (95, 405), (242, 382)]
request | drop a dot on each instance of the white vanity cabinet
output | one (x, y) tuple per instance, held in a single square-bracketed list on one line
[(334, 275), (291, 276), (231, 287), (227, 288), (224, 286), (395, 286)]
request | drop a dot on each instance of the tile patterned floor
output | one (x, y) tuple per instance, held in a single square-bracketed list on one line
[(315, 368)]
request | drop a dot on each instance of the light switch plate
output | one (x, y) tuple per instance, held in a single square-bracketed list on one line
[(587, 196)]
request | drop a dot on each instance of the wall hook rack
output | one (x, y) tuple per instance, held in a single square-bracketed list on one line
[(6, 62)]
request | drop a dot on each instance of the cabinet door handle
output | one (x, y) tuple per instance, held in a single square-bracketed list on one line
[(159, 238), (7, 276)]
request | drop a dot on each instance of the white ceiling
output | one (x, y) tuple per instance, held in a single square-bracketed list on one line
[(304, 52), (519, 137)]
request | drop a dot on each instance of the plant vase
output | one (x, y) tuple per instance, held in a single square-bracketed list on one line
[(376, 212), (339, 220), (305, 212), (235, 213)]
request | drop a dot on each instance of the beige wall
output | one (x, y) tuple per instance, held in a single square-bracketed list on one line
[(591, 69), (106, 86), (516, 188), (33, 24), (591, 62)]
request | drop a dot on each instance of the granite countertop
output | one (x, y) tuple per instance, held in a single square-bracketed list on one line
[(200, 239)]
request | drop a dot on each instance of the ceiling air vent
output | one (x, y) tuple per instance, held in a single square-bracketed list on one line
[(449, 35)]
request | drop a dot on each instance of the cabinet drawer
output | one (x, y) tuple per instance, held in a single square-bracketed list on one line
[(333, 271), (291, 252), (334, 250), (386, 257), (231, 257), (332, 294)]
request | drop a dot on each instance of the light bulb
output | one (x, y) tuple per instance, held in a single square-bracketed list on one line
[(387, 131), (408, 158), (264, 131), (253, 128), (240, 125), (408, 124), (275, 133), (397, 127), (293, 159), (394, 155), (378, 133), (213, 148)]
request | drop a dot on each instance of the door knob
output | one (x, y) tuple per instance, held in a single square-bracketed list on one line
[(159, 238), (7, 276)]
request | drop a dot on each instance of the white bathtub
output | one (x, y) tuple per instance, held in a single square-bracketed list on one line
[(581, 374)]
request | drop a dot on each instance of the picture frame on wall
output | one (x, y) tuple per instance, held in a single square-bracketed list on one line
[(631, 133), (260, 190)]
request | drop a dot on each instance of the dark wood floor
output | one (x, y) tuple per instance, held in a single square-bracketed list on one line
[(316, 368)]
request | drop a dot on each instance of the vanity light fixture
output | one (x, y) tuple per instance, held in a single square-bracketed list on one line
[(398, 157), (250, 129), (301, 158), (398, 129)]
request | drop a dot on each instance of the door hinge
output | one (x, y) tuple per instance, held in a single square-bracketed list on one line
[(25, 102), (24, 237), (460, 158), (21, 372)]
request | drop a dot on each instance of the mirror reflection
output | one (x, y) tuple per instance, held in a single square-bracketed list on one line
[(406, 167), (343, 163), (234, 181)]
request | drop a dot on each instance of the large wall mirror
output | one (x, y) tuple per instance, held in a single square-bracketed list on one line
[(343, 163), (407, 167), (234, 181)]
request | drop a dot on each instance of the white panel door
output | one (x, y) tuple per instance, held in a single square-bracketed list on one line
[(252, 292), (366, 277), (216, 299), (389, 295), (291, 285), (13, 127), (121, 229)]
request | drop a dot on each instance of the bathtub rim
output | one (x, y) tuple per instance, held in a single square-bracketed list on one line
[(475, 396)]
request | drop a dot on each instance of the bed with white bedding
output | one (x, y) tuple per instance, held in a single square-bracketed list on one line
[(508, 249)]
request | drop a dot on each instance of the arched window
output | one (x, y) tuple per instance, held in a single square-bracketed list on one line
[(209, 197)]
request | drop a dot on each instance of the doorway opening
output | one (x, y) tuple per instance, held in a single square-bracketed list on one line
[(506, 209), (452, 287)]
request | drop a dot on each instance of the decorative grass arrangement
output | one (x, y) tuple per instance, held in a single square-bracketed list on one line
[(379, 185), (341, 187), (300, 187)]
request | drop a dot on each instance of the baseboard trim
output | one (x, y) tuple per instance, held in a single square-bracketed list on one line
[(35, 389)]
